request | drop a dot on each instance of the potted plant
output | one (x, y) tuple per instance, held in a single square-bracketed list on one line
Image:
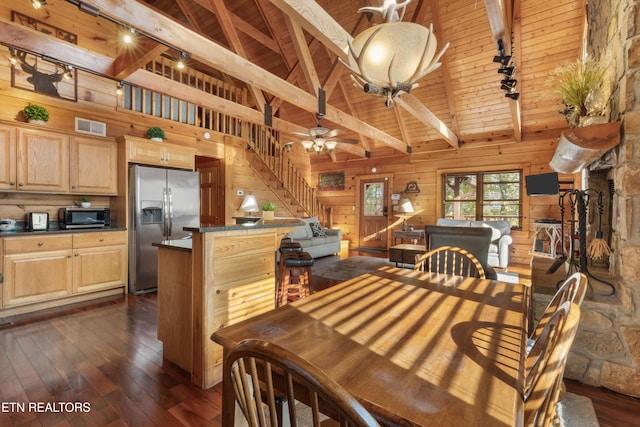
[(36, 114), (156, 134), (581, 88), (268, 209), (85, 203)]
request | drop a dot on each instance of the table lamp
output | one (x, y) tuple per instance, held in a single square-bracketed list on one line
[(405, 207), (249, 204)]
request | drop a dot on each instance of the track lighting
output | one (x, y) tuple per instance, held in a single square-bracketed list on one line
[(514, 95), (119, 89), (37, 4), (13, 59), (180, 64), (508, 84), (128, 36), (503, 59), (68, 72), (507, 71)]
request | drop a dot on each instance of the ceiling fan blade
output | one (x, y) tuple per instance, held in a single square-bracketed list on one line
[(334, 132), (305, 134), (347, 141)]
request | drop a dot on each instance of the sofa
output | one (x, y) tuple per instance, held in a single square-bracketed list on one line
[(500, 238), (315, 239)]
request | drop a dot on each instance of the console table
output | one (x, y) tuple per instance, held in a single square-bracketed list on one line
[(416, 236)]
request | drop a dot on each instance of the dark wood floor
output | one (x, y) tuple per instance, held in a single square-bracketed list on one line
[(106, 356)]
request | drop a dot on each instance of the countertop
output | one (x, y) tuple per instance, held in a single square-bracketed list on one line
[(180, 244), (278, 222), (24, 232)]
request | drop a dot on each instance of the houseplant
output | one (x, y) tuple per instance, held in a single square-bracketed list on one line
[(156, 134), (36, 114), (268, 209), (85, 203), (582, 90)]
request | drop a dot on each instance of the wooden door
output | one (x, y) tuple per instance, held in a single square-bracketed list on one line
[(211, 192), (373, 216)]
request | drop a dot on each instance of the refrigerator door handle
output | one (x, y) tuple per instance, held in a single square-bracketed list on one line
[(170, 195), (165, 213)]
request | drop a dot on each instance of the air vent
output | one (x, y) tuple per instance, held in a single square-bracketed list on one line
[(91, 127)]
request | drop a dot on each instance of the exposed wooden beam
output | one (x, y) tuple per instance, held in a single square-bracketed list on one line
[(305, 60), (146, 50), (207, 52), (224, 19), (321, 25), (417, 109)]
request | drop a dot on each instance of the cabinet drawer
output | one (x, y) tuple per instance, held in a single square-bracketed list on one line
[(103, 238), (39, 243)]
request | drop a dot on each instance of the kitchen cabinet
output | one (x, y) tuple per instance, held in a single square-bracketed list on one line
[(160, 153), (36, 269), (99, 261), (7, 158), (42, 161), (46, 270), (93, 166)]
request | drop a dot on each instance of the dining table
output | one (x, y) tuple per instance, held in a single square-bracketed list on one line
[(414, 348)]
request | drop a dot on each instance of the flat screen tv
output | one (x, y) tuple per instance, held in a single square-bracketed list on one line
[(544, 184)]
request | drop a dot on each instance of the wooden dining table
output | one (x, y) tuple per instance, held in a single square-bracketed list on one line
[(416, 349)]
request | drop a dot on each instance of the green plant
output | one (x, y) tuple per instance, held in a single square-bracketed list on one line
[(579, 85), (36, 112), (85, 199), (268, 206), (156, 132)]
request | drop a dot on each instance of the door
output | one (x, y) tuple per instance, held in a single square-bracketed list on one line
[(183, 197), (373, 213), (211, 192)]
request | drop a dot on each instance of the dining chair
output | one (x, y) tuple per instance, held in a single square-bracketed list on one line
[(544, 365), (573, 289), (274, 387), (450, 260)]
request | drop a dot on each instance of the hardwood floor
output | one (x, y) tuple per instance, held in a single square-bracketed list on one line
[(106, 356)]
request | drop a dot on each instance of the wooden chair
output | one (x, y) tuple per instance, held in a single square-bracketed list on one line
[(264, 374), (450, 260), (573, 289), (545, 365)]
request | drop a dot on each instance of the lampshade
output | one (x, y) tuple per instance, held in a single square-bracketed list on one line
[(249, 204), (405, 206)]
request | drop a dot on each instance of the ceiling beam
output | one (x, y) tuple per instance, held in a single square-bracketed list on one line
[(224, 19), (316, 21), (305, 60), (203, 50)]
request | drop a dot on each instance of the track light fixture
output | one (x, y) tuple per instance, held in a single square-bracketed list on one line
[(13, 59), (514, 95), (68, 72), (507, 71), (128, 36), (181, 62), (508, 85), (119, 89)]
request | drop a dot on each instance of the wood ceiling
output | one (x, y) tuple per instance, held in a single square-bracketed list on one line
[(295, 44)]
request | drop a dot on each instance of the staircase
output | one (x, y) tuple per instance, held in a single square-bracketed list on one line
[(282, 176)]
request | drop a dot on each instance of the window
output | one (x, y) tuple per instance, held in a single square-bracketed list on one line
[(484, 196)]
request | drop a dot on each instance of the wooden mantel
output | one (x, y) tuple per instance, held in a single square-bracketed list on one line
[(582, 146)]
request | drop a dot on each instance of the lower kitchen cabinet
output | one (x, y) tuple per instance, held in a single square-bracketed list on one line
[(49, 270)]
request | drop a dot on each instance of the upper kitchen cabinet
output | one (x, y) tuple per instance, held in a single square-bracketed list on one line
[(93, 166), (7, 158), (160, 153), (42, 161)]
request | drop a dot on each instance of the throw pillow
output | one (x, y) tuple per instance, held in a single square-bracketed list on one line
[(317, 229)]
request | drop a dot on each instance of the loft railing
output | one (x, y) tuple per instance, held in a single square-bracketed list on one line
[(263, 140)]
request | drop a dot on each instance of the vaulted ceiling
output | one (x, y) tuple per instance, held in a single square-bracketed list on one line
[(283, 50)]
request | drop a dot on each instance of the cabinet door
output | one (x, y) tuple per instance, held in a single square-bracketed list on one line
[(35, 277), (146, 152), (7, 158), (179, 157), (93, 166), (99, 268), (43, 161)]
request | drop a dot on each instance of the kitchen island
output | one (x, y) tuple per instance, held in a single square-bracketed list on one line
[(220, 276)]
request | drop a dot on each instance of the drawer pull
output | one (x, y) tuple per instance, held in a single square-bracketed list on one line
[(40, 244), (102, 239)]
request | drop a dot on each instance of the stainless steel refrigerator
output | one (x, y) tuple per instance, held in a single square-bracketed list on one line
[(162, 202)]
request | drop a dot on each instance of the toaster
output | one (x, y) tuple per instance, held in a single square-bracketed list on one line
[(38, 221)]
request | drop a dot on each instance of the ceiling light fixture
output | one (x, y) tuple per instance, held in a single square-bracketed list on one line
[(508, 85), (181, 62), (389, 58), (13, 59), (37, 4), (68, 72), (119, 89), (128, 35)]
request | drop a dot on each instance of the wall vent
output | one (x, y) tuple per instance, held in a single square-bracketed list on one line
[(91, 127)]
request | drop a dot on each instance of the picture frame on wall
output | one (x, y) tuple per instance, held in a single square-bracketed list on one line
[(331, 181)]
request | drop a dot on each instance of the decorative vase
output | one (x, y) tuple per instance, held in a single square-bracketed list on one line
[(157, 139), (37, 122), (85, 204), (268, 215)]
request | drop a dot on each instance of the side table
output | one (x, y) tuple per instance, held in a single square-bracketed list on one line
[(405, 253), (416, 236)]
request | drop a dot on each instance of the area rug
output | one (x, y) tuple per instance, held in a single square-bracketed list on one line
[(349, 268), (576, 411)]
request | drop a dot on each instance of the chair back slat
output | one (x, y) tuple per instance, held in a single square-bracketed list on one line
[(267, 377), (450, 260)]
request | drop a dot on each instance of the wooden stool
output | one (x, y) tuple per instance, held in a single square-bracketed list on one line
[(285, 247), (295, 280)]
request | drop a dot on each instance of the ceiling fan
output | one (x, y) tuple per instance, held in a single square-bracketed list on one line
[(320, 137)]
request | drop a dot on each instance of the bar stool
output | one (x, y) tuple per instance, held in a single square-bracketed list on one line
[(285, 247), (295, 280)]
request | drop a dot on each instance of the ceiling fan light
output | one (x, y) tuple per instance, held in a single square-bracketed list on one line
[(307, 145), (330, 145)]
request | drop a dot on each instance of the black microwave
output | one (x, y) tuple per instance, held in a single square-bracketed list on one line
[(69, 218)]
